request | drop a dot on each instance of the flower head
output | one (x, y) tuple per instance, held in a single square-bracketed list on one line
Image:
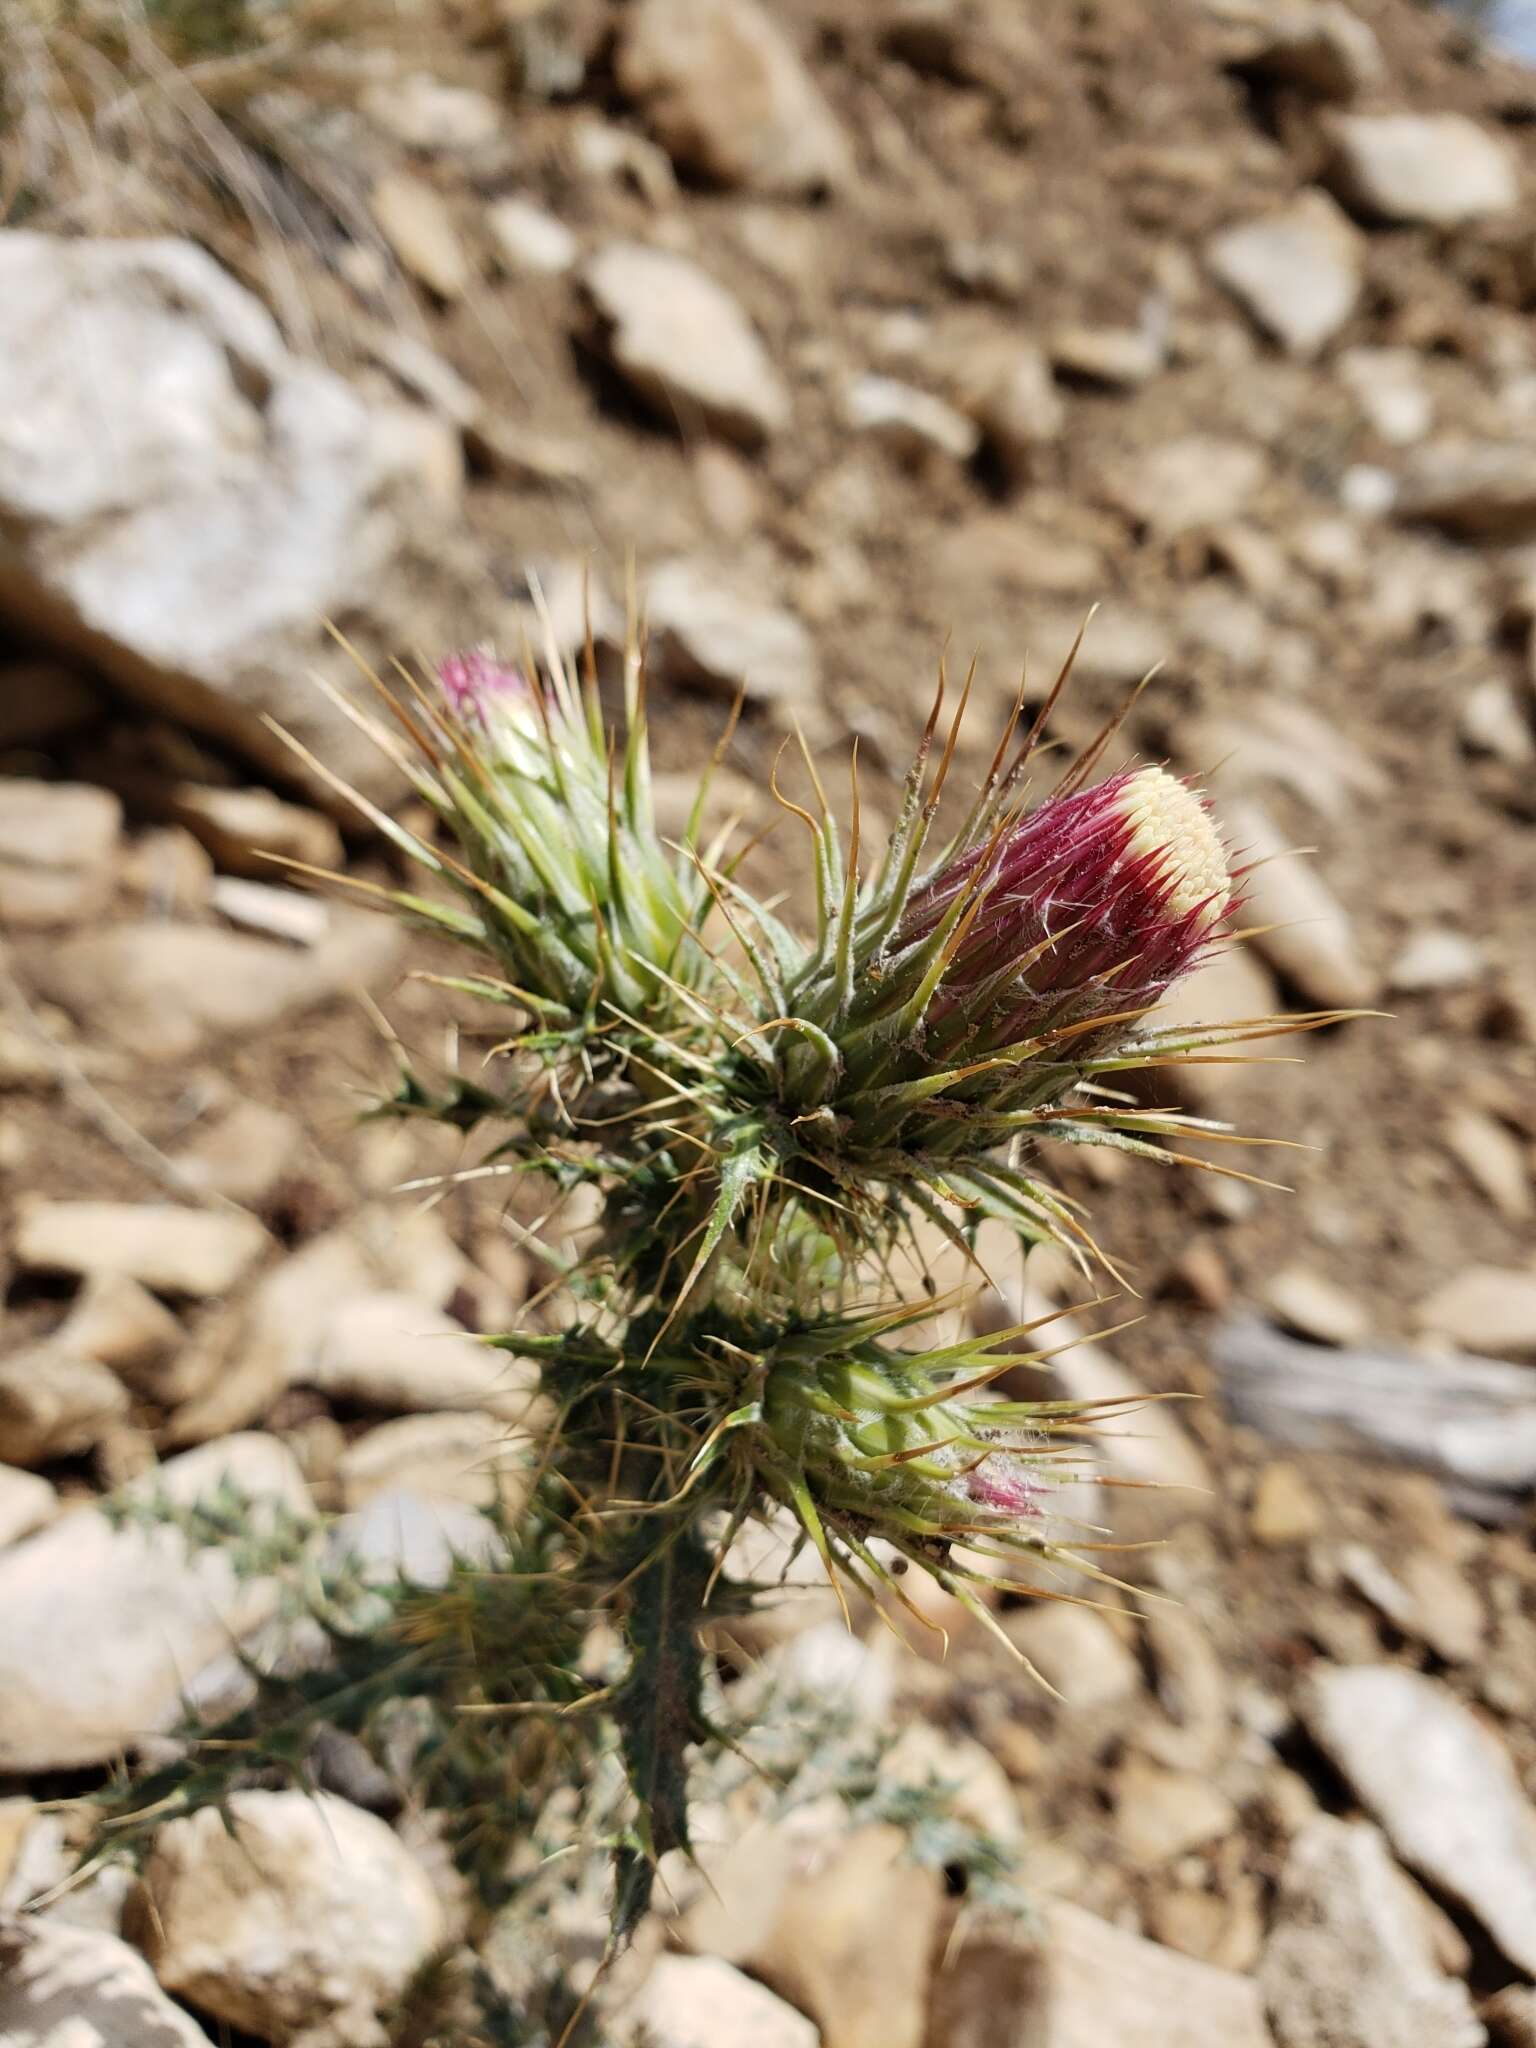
[(1093, 904)]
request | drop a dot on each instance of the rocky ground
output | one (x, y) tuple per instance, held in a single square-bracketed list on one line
[(868, 329)]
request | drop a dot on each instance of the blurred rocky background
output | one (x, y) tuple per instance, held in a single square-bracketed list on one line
[(870, 329)]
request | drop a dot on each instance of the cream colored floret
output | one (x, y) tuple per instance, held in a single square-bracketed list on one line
[(1167, 817)]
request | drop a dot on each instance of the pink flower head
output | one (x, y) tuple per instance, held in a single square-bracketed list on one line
[(1103, 899), (477, 685), (1004, 1483)]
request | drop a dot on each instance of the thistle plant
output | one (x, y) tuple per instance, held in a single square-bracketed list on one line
[(770, 1121)]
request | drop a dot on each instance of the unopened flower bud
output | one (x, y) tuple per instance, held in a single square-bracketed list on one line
[(1097, 902)]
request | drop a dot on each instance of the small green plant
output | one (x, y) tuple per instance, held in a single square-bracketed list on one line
[(770, 1120)]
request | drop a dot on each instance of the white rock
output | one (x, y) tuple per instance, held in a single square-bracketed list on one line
[(27, 1502), (118, 1321), (161, 990), (909, 422), (1076, 1653), (1493, 722), (198, 1252), (709, 630), (273, 912), (415, 220), (403, 1535), (54, 1404), (393, 1351), (243, 1155), (105, 1627), (1313, 1307), (1348, 1963), (1436, 957), (1197, 480), (1441, 1786), (701, 2002), (1162, 1814), (1487, 1309), (464, 1456), (66, 1987), (1477, 490), (428, 114), (1298, 271), (1388, 385), (1077, 1982), (57, 842), (189, 501), (1310, 939), (302, 1920), (729, 96), (1494, 1159), (1440, 170), (1005, 385), (684, 343), (1119, 357), (529, 239)]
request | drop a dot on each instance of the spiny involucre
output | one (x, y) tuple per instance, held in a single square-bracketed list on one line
[(769, 1116)]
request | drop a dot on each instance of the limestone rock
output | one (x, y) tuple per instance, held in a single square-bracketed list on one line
[(1436, 957), (1162, 1814), (529, 240), (1081, 1983), (730, 97), (1348, 1963), (910, 423), (197, 1252), (1493, 1158), (27, 1502), (69, 1987), (428, 114), (162, 990), (117, 1320), (1310, 939), (415, 221), (1197, 480), (244, 1155), (1441, 1786), (244, 829), (57, 841), (1478, 490), (1488, 1309), (184, 501), (684, 343), (701, 2002), (1120, 358), (1313, 1307), (708, 631), (393, 1351), (1285, 1509), (405, 1535), (1438, 170), (467, 1456), (301, 1921), (1077, 1654), (1388, 386), (829, 1951), (1006, 387), (106, 1626), (1296, 271), (54, 1404)]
